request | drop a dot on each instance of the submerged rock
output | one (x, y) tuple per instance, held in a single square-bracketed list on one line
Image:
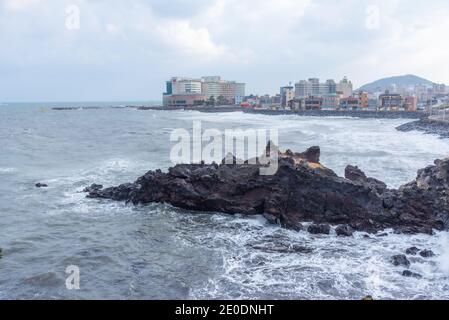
[(41, 185), (319, 229), (400, 260), (427, 254), (409, 274), (302, 190), (413, 251), (344, 231), (93, 188)]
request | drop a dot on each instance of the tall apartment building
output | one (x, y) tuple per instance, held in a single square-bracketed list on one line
[(313, 87), (330, 87), (345, 87), (303, 89)]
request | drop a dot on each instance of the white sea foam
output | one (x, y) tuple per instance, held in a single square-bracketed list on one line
[(345, 268), (7, 170), (443, 249)]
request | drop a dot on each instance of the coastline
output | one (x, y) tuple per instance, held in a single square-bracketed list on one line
[(309, 113)]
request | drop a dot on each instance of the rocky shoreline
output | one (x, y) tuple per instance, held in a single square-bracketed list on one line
[(429, 126), (302, 190)]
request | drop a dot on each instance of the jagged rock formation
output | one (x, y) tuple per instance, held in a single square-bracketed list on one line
[(302, 190)]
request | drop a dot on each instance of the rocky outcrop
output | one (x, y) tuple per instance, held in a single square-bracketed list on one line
[(302, 190), (429, 126), (358, 176)]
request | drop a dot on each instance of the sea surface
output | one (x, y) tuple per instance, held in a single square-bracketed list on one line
[(160, 252)]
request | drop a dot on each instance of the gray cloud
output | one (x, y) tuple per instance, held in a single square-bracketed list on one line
[(124, 50)]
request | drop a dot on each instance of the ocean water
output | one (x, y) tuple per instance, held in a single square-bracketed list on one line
[(160, 252)]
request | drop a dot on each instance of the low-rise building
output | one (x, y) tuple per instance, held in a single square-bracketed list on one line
[(331, 102), (363, 100), (411, 104), (287, 95), (313, 103), (390, 101), (349, 103), (184, 100)]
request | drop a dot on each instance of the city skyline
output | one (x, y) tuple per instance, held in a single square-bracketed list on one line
[(126, 51)]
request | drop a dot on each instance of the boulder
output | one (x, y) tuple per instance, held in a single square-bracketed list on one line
[(344, 231), (427, 254), (400, 260), (413, 251)]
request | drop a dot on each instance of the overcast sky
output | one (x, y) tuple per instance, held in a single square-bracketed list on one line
[(126, 49)]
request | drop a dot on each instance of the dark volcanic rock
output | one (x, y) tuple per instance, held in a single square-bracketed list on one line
[(344, 231), (319, 229), (427, 254), (358, 176), (413, 251), (428, 126), (41, 185), (400, 260), (93, 188), (409, 274), (301, 190)]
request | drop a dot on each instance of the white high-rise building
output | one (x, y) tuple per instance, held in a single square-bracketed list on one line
[(231, 91), (345, 87), (313, 87), (186, 86)]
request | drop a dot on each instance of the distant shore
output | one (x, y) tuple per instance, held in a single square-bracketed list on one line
[(310, 113)]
